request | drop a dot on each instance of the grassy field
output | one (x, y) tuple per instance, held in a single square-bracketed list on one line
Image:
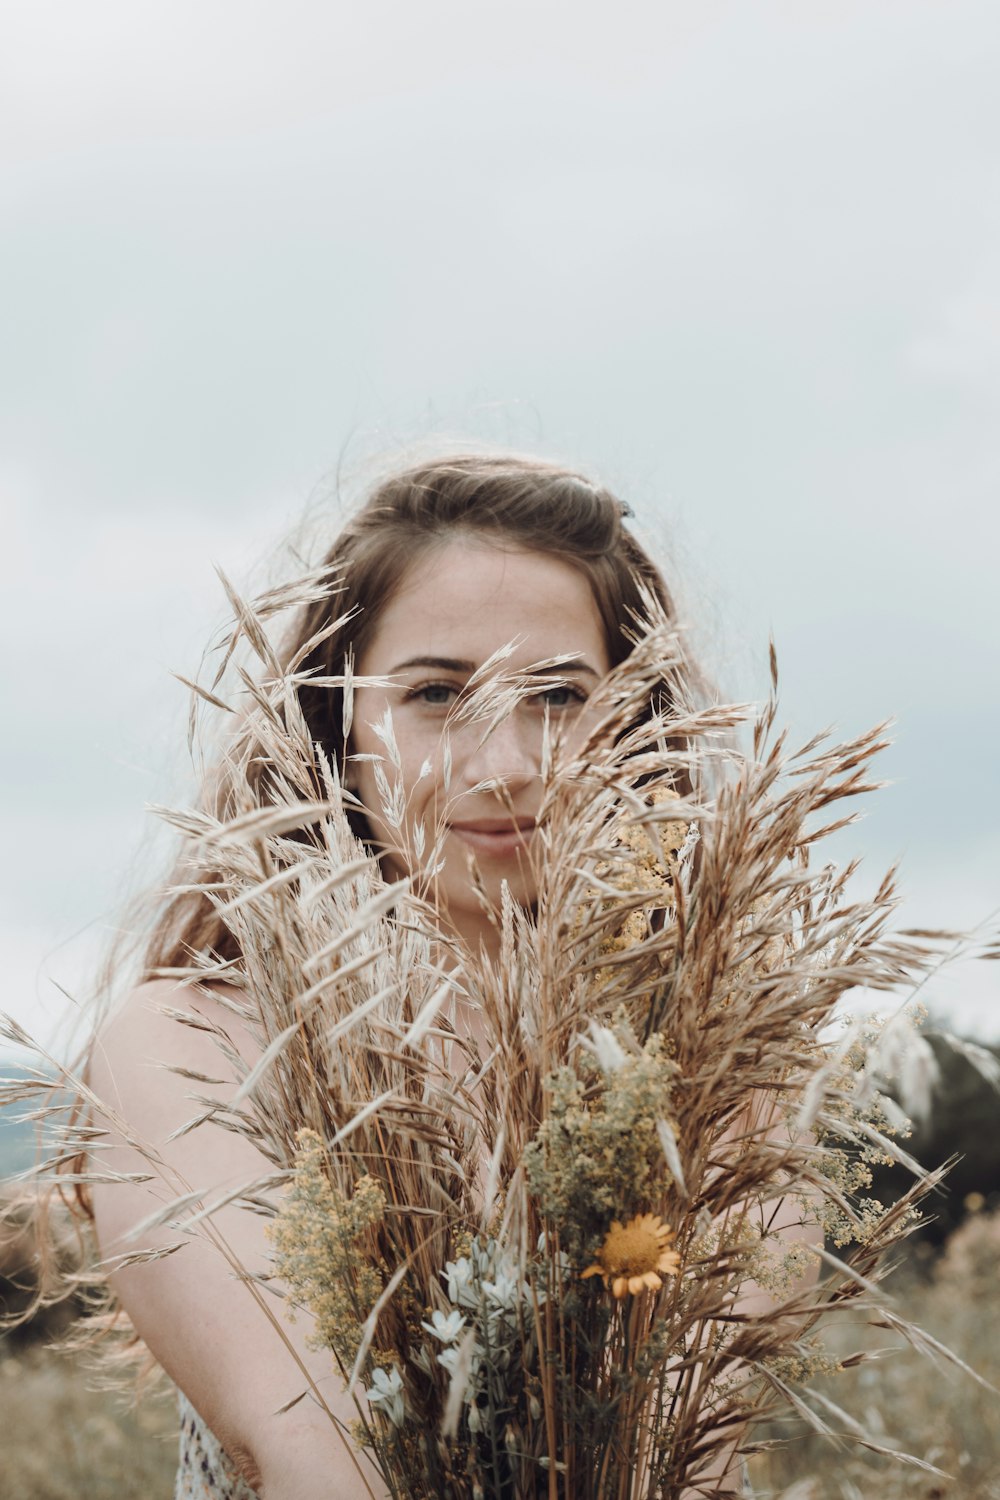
[(66, 1441), (62, 1440), (911, 1402)]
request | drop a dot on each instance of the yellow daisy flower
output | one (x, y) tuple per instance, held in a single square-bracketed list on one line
[(634, 1254)]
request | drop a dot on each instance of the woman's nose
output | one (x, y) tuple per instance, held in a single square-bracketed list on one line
[(508, 755)]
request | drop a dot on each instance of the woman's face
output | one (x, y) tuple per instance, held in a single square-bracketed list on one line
[(455, 608)]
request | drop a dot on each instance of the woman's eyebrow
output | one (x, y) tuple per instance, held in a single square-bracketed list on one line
[(453, 664), (441, 663), (565, 668)]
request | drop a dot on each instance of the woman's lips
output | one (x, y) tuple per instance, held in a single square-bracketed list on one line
[(496, 838)]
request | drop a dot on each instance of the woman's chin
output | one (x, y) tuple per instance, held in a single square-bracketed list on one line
[(472, 911)]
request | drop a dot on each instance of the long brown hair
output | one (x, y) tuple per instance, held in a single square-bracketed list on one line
[(511, 500)]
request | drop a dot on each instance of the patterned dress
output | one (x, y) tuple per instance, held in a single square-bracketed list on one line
[(205, 1471)]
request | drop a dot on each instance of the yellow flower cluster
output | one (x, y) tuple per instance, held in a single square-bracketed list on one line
[(655, 850), (318, 1251)]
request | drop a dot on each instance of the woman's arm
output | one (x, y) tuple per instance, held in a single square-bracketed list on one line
[(204, 1325)]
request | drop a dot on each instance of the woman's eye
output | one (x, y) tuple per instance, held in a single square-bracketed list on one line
[(434, 694), (562, 696)]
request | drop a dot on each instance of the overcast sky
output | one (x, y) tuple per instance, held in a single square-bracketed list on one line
[(741, 260)]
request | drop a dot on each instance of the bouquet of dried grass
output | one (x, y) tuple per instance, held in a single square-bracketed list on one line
[(554, 1215)]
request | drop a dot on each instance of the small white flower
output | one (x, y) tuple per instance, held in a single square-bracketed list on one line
[(386, 1395), (504, 1292), (484, 1256), (462, 1291), (452, 1359), (445, 1327)]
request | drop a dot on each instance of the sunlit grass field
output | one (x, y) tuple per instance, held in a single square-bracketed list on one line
[(64, 1440)]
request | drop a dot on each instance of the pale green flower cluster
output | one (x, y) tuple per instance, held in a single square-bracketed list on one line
[(806, 1363), (850, 1152), (599, 1153), (776, 1265)]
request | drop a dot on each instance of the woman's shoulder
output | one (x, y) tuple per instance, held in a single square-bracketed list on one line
[(162, 1071), (161, 1008), (165, 1030)]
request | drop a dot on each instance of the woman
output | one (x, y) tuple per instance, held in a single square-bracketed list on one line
[(446, 565)]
